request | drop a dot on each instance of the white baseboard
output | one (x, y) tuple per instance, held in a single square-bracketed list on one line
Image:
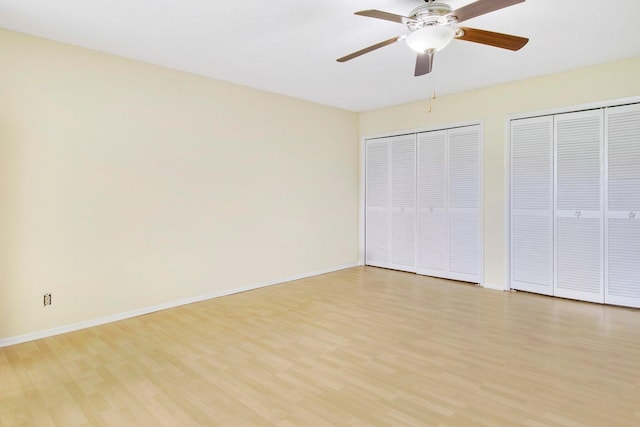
[(4, 342)]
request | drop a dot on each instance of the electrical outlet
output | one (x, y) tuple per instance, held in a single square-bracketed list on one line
[(47, 299)]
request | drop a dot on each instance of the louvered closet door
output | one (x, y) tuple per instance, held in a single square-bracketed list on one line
[(432, 213), (377, 200), (532, 205), (464, 155), (390, 217), (622, 245), (579, 212), (403, 203)]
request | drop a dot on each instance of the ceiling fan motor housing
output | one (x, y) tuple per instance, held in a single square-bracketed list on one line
[(430, 13)]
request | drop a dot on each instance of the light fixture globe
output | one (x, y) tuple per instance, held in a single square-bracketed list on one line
[(431, 37)]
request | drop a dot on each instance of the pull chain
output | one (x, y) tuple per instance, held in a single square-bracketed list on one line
[(432, 97)]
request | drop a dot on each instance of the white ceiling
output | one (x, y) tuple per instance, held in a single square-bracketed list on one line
[(290, 46)]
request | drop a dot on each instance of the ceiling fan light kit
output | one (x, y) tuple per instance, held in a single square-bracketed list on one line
[(432, 27), (430, 38)]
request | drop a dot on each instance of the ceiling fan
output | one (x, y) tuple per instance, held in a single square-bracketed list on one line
[(433, 25)]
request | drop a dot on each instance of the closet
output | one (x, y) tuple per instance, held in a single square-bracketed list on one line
[(423, 197), (575, 205)]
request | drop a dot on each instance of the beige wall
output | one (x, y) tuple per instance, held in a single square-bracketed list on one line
[(492, 105), (125, 185)]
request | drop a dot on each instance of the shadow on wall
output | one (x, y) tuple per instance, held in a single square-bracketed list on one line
[(9, 215)]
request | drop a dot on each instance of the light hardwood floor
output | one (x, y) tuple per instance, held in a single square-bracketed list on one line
[(358, 347)]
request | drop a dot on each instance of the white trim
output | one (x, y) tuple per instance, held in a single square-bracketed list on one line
[(604, 204), (576, 108), (443, 126), (361, 202), (507, 204), (4, 342), (482, 205)]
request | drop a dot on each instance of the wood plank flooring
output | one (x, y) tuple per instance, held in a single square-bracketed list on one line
[(358, 347)]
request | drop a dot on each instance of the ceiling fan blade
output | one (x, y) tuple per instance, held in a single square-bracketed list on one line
[(424, 63), (504, 41), (481, 7), (370, 48), (378, 14)]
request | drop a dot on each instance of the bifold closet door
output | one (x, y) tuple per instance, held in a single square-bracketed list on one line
[(622, 241), (390, 223), (377, 213), (449, 200), (532, 205), (403, 203), (579, 226), (464, 198), (432, 203)]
